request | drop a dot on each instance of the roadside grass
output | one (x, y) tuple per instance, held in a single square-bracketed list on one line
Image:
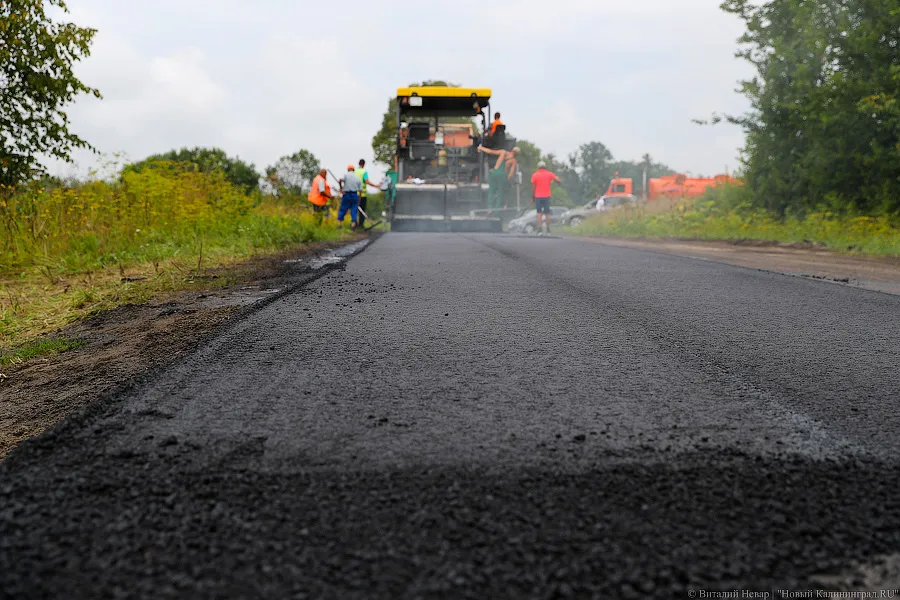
[(709, 218), (71, 252), (38, 348)]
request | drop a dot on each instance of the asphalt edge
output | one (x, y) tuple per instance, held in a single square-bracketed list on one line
[(599, 241), (107, 402)]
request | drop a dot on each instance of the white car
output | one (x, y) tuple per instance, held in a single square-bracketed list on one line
[(527, 222), (576, 216)]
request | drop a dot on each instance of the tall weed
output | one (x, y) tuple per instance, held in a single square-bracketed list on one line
[(143, 217), (67, 251)]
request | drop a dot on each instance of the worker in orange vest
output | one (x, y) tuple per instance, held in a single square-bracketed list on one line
[(320, 194), (496, 123)]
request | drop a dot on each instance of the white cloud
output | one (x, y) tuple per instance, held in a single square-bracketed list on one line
[(264, 79)]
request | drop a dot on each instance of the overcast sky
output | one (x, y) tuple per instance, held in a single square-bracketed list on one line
[(264, 78)]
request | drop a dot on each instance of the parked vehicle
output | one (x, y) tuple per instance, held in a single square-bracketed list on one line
[(670, 186), (576, 216), (527, 222)]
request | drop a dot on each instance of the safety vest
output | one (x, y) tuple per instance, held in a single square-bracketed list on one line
[(361, 173), (495, 125), (316, 196)]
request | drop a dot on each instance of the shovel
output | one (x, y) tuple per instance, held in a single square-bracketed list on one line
[(370, 227)]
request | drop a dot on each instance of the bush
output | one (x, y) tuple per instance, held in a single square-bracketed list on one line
[(146, 216)]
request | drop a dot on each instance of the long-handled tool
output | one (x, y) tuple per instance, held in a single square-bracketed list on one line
[(373, 225), (370, 227)]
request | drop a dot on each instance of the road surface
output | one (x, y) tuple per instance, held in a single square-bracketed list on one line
[(465, 416)]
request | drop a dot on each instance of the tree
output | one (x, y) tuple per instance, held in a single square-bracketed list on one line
[(384, 144), (528, 158), (821, 130), (293, 174), (238, 172), (588, 172), (36, 83)]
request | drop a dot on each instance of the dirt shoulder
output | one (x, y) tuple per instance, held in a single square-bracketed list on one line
[(127, 342), (881, 274)]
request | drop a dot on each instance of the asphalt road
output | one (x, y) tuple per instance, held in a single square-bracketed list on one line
[(457, 416)]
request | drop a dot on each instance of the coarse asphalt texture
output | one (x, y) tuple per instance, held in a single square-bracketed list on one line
[(483, 416)]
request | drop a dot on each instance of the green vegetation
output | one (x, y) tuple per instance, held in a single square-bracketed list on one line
[(36, 82), (37, 348), (152, 215), (71, 251), (207, 160), (823, 132), (727, 214)]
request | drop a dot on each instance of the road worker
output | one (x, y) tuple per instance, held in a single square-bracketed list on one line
[(504, 170), (363, 195), (320, 194), (496, 123), (541, 187), (350, 188)]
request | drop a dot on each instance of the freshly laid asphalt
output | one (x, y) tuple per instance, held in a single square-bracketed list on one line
[(481, 416)]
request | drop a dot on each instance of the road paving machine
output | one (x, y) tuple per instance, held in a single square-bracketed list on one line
[(441, 176)]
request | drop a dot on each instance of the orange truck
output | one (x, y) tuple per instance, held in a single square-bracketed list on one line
[(669, 186)]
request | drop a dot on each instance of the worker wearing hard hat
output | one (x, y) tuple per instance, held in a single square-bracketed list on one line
[(503, 171), (541, 186), (350, 188), (320, 194)]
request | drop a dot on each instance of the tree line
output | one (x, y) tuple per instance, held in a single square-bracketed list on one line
[(587, 172), (290, 175), (823, 130)]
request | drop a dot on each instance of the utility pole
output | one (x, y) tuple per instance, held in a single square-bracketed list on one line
[(644, 186), (519, 190)]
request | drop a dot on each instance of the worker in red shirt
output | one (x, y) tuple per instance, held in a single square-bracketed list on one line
[(541, 191)]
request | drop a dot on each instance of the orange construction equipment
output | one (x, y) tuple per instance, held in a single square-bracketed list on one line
[(620, 187), (671, 186)]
